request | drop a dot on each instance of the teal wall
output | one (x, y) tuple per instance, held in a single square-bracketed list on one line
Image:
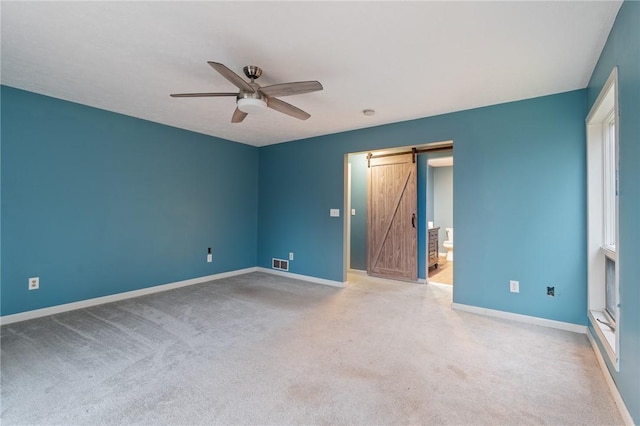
[(131, 204), (443, 202), (513, 161), (359, 202), (97, 203), (430, 201), (623, 50)]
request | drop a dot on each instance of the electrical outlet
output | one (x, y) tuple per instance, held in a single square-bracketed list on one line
[(514, 286), (209, 255), (551, 291), (34, 283), (291, 256)]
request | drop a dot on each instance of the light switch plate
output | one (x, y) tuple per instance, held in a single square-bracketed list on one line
[(353, 212), (34, 283), (334, 212)]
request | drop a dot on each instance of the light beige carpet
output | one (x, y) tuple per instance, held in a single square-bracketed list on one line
[(261, 349)]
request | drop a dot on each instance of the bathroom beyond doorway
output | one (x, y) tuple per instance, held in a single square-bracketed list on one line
[(440, 215)]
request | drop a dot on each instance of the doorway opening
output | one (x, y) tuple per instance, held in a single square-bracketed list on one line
[(357, 239), (440, 218)]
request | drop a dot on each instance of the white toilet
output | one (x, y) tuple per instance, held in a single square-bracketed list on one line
[(448, 244)]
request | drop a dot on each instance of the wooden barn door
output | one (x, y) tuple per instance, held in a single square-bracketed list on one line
[(392, 234)]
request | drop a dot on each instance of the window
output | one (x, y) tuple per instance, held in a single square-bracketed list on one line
[(602, 208), (609, 194)]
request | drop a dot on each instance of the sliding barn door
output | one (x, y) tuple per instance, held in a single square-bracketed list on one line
[(392, 237)]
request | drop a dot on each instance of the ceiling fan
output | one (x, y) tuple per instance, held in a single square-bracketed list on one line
[(252, 98)]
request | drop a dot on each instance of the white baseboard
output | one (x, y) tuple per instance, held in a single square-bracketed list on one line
[(302, 277), (576, 328), (357, 271), (37, 313), (617, 398), (441, 285)]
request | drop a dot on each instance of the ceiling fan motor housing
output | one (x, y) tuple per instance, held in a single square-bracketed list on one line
[(251, 102)]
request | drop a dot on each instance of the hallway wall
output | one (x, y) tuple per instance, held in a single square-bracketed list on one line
[(443, 202)]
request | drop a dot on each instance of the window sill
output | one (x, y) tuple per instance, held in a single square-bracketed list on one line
[(606, 336)]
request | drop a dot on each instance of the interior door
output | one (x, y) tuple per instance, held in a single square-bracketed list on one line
[(392, 235)]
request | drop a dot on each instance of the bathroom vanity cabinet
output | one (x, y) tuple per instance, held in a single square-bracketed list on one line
[(432, 248)]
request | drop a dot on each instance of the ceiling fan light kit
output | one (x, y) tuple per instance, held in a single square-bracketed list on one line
[(253, 99), (252, 105)]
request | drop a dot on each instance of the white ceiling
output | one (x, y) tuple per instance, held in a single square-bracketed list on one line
[(404, 59)]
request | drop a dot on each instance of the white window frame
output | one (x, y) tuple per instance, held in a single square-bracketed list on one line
[(602, 229), (609, 155)]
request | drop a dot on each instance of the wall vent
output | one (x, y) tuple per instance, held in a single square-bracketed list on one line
[(280, 264)]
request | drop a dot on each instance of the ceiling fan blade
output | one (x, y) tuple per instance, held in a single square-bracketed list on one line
[(199, 95), (238, 116), (231, 76), (295, 88), (286, 108)]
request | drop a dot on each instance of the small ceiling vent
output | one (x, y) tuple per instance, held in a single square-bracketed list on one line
[(280, 265)]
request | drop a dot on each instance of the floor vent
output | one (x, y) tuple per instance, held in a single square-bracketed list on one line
[(280, 265)]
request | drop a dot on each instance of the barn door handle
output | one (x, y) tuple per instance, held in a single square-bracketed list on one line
[(413, 220)]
